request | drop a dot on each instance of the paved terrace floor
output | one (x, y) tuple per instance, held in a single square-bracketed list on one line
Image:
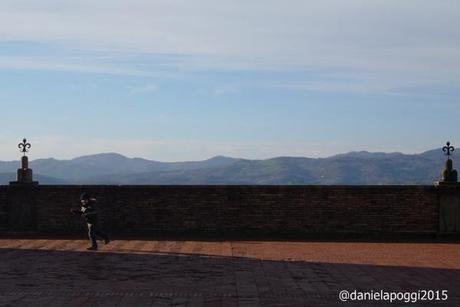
[(58, 272)]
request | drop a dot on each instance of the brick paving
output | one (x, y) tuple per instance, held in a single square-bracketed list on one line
[(60, 272)]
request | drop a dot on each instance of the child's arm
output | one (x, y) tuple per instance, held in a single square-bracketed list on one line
[(91, 211)]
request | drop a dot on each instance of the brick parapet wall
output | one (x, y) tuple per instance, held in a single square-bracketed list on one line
[(241, 209), (3, 207)]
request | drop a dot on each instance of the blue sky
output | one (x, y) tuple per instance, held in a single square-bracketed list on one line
[(186, 80)]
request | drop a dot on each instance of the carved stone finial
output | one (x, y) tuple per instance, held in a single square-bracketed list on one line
[(24, 173), (24, 146), (449, 174), (448, 149)]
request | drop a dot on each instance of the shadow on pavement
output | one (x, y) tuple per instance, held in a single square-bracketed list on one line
[(74, 278)]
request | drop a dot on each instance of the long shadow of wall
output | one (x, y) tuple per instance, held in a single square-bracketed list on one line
[(61, 278)]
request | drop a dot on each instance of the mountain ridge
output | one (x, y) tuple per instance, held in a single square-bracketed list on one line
[(355, 167)]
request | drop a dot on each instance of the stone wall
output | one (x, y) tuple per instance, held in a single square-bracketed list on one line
[(238, 210), (449, 208), (3, 208)]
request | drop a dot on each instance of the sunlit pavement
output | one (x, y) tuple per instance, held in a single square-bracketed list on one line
[(49, 272)]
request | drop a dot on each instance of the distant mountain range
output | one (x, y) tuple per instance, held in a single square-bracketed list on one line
[(351, 168)]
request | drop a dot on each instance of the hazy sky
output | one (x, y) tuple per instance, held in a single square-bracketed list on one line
[(185, 80)]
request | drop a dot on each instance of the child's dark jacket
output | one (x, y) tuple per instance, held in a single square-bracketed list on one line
[(89, 213)]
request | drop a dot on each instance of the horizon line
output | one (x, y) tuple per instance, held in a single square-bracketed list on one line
[(230, 157)]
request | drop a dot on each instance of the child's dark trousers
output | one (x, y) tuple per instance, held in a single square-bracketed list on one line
[(94, 232)]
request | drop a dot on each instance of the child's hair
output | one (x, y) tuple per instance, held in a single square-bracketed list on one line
[(84, 196)]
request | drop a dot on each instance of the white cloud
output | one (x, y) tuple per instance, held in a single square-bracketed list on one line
[(393, 39), (63, 64), (224, 90), (144, 89)]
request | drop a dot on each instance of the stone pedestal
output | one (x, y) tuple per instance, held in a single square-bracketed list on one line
[(449, 208), (449, 199), (22, 209), (24, 175), (449, 175)]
